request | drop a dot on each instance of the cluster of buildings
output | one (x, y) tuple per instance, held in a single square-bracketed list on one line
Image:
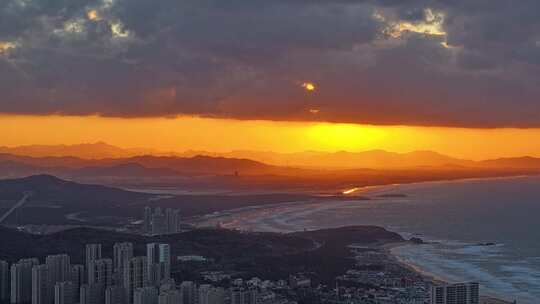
[(124, 279), (129, 279), (377, 279), (384, 280), (159, 221), (461, 293)]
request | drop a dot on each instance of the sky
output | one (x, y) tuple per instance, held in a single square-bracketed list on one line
[(224, 135), (418, 74)]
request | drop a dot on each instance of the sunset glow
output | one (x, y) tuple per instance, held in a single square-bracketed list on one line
[(192, 133), (347, 137)]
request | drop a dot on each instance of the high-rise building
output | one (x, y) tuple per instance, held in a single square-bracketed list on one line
[(204, 293), (236, 296), (115, 295), (40, 285), (159, 222), (188, 289), (170, 297), (135, 276), (147, 220), (65, 293), (4, 282), (77, 278), (21, 280), (93, 252), (460, 293), (165, 261), (211, 295), (158, 262), (100, 273), (145, 295), (123, 253), (173, 220), (59, 267), (244, 296), (250, 296), (91, 294)]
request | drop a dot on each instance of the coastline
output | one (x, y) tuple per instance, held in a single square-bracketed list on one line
[(205, 220), (368, 189), (390, 248), (271, 220)]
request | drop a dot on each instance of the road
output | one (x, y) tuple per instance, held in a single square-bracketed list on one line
[(20, 203)]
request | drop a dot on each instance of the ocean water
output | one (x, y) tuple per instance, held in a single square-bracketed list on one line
[(458, 218)]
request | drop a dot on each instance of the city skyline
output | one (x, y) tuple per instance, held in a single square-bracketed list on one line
[(125, 277)]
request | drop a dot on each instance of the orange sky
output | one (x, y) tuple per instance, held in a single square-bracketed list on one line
[(222, 135)]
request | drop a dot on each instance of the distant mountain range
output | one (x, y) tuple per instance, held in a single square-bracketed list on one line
[(104, 157), (348, 160), (86, 151), (515, 162), (138, 166)]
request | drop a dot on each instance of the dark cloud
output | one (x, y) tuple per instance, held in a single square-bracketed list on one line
[(453, 63)]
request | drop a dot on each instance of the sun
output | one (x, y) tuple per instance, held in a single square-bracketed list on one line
[(309, 86), (347, 137), (93, 15)]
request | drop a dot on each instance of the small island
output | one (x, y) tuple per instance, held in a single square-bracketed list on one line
[(393, 195)]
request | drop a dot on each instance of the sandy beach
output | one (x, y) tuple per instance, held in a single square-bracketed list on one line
[(390, 250)]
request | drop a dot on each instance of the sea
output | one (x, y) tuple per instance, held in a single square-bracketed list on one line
[(485, 230)]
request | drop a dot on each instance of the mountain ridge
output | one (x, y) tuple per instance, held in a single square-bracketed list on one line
[(101, 154)]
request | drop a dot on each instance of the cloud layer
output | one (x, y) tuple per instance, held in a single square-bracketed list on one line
[(420, 62)]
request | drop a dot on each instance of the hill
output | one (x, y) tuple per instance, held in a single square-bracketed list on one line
[(513, 162), (52, 200), (323, 254), (122, 169), (51, 188), (142, 166), (204, 165), (59, 202), (218, 244)]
